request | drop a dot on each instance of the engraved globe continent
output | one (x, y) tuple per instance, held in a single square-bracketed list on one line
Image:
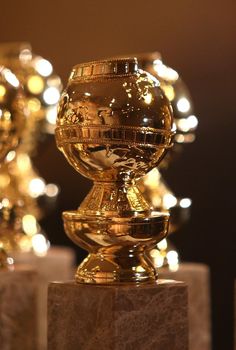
[(114, 121), (12, 118)]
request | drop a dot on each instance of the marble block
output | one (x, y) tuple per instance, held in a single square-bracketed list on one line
[(57, 265), (197, 277), (18, 303), (130, 317)]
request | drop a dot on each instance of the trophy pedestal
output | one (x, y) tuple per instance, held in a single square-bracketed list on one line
[(197, 278), (116, 317), (18, 303), (57, 265)]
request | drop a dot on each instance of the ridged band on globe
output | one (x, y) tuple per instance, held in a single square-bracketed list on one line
[(114, 125)]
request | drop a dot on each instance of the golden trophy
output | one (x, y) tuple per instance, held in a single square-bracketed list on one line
[(114, 125), (25, 195), (21, 184), (12, 121), (17, 283)]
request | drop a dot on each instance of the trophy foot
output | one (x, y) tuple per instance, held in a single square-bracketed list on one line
[(119, 247), (100, 268)]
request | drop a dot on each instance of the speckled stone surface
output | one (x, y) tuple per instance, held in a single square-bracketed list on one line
[(57, 265), (197, 277), (18, 302), (144, 317)]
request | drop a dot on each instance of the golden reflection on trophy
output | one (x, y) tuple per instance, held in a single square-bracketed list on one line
[(114, 125), (21, 185), (153, 187), (12, 121)]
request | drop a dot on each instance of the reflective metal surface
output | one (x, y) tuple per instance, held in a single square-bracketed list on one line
[(165, 254), (176, 91), (114, 125), (160, 197), (12, 120), (152, 185), (20, 231), (20, 183), (12, 109), (41, 85)]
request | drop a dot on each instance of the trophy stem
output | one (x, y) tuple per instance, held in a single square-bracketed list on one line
[(118, 245), (118, 198)]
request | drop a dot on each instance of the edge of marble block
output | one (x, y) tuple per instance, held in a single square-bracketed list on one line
[(159, 283)]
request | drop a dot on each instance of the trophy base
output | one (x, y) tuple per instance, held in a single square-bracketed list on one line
[(118, 246), (105, 269)]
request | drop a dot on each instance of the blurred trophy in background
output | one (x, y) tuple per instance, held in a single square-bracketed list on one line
[(21, 186), (20, 182), (13, 112), (158, 193), (18, 285), (153, 187)]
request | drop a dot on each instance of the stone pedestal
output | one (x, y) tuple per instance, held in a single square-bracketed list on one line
[(145, 317), (57, 265), (197, 278), (18, 303)]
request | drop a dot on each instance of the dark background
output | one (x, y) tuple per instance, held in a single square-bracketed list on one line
[(198, 39)]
